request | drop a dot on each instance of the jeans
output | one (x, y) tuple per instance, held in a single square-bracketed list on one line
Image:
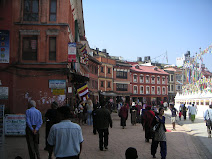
[(103, 134), (89, 117)]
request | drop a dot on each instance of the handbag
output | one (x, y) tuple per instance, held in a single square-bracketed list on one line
[(155, 127), (208, 122)]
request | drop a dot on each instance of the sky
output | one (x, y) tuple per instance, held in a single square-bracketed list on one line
[(140, 28)]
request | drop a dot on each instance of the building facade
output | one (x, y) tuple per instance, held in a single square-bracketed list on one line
[(149, 84), (38, 66)]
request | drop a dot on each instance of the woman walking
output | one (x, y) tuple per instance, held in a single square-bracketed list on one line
[(124, 115), (159, 136), (148, 117), (89, 112)]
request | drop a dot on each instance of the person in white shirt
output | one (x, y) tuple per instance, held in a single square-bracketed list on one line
[(193, 112), (65, 136)]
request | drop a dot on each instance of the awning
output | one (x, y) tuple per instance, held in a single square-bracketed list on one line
[(108, 94)]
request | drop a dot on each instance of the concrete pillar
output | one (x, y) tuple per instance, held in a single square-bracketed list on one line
[(199, 102), (204, 102)]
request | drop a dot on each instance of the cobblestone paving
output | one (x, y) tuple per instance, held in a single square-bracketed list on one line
[(179, 143)]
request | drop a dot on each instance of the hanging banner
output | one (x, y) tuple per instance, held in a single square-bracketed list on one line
[(4, 46), (72, 52)]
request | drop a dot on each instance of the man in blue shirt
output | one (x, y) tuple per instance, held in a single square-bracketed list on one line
[(33, 124)]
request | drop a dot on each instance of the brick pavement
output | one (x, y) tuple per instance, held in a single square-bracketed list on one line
[(179, 143)]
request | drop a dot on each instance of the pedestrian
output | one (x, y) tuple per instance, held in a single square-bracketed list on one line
[(159, 136), (65, 136), (208, 120), (184, 109), (189, 111), (131, 153), (173, 117), (138, 116), (84, 114), (124, 115), (80, 112), (180, 114), (103, 121), (94, 119), (193, 112), (33, 124), (89, 107), (133, 112), (50, 120), (148, 119)]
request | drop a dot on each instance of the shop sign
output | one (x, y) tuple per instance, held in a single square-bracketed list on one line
[(58, 91), (4, 46), (57, 84), (4, 92)]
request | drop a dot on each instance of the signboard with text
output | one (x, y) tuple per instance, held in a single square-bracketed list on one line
[(15, 124), (57, 84), (4, 46)]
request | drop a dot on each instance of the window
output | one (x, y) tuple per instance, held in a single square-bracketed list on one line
[(158, 80), (108, 70), (141, 78), (141, 89), (147, 79), (102, 69), (121, 87), (134, 78), (172, 78), (153, 79), (108, 84), (147, 90), (53, 10), (169, 88), (178, 87), (52, 48), (164, 90), (102, 83), (31, 10), (135, 89), (121, 74), (163, 80), (172, 87), (158, 90), (96, 70), (153, 90), (29, 48)]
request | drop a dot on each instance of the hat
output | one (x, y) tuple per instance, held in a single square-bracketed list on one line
[(55, 105), (133, 103), (131, 153), (65, 110)]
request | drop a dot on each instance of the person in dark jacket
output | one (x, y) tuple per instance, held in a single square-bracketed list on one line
[(148, 119), (103, 120), (50, 120), (123, 113)]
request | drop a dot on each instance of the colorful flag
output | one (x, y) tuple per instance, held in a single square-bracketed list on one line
[(83, 92)]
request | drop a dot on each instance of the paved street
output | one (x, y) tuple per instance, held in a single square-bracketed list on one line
[(181, 143)]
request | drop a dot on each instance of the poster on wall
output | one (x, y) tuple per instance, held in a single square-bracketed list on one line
[(15, 124), (2, 131), (72, 52), (57, 84), (4, 46), (4, 92)]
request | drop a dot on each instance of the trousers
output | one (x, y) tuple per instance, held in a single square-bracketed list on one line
[(163, 148), (32, 143), (103, 134)]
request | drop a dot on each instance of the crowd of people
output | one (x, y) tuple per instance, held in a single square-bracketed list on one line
[(65, 137)]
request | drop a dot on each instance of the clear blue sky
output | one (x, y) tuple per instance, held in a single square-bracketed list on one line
[(139, 28)]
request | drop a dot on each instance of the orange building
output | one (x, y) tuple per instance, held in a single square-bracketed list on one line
[(38, 66)]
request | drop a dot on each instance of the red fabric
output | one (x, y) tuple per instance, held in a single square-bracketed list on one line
[(148, 117), (124, 112)]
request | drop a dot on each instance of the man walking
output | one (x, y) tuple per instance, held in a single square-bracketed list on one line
[(103, 119), (193, 112), (65, 136), (33, 124), (174, 114)]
